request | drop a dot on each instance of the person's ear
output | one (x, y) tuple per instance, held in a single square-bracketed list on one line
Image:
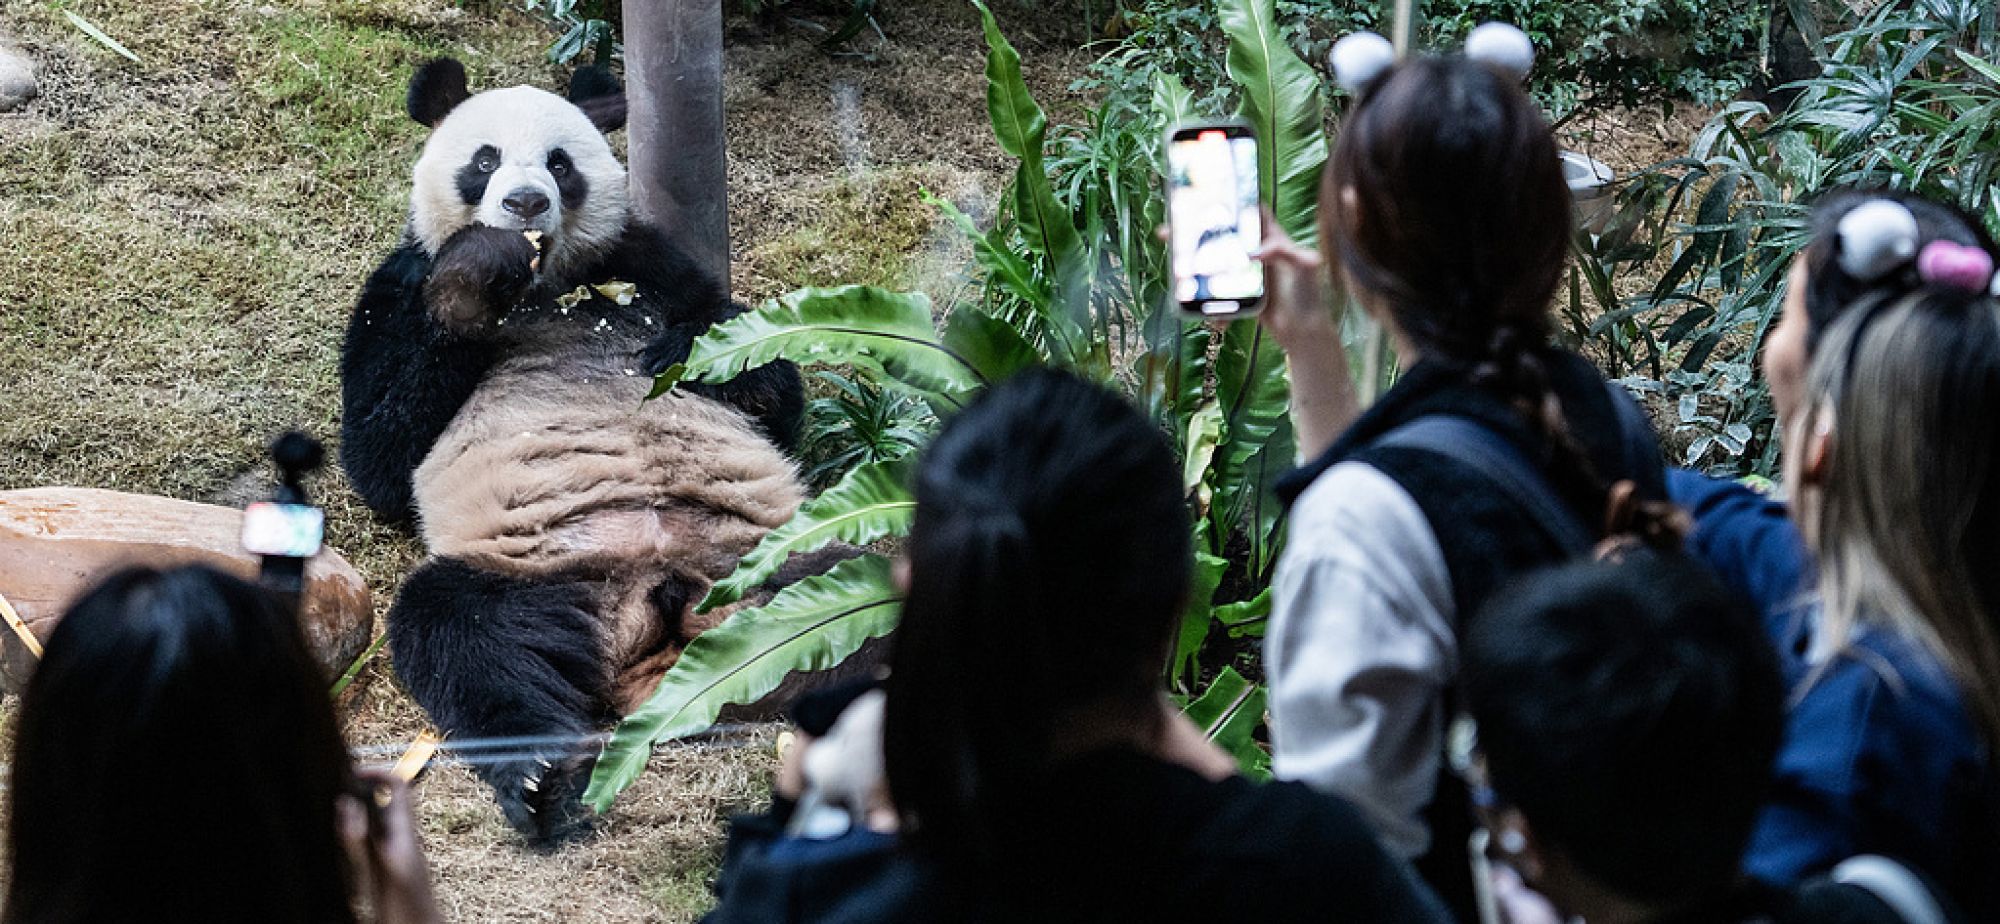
[(899, 574)]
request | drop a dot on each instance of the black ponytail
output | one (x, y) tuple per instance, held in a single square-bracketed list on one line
[(1048, 562)]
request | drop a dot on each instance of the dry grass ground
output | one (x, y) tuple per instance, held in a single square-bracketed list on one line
[(186, 235)]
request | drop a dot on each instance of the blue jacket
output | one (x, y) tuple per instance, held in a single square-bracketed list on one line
[(1747, 538), (1881, 754)]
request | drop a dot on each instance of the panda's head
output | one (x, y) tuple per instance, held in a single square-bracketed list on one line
[(519, 158)]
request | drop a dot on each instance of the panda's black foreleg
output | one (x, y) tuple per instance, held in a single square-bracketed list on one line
[(772, 394), (491, 656), (415, 351)]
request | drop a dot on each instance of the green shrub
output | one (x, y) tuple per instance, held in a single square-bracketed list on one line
[(1590, 53), (1908, 100)]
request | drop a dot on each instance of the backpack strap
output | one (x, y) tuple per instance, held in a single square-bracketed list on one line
[(1473, 444)]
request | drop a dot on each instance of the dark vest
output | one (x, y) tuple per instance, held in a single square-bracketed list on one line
[(1487, 538)]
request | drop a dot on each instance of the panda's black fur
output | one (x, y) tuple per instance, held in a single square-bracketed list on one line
[(571, 525)]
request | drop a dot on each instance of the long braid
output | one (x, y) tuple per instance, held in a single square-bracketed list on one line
[(1509, 366)]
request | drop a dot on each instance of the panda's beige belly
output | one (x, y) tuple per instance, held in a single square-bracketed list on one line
[(552, 470)]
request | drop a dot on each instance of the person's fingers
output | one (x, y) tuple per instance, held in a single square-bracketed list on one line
[(1287, 253), (1163, 233), (1273, 232), (351, 820)]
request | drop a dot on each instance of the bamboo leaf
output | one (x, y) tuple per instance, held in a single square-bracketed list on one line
[(1986, 70), (1281, 101), (811, 625), (872, 501)]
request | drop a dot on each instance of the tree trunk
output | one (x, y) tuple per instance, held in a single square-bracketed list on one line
[(673, 76)]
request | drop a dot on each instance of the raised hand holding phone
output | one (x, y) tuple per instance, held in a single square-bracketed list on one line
[(1303, 314)]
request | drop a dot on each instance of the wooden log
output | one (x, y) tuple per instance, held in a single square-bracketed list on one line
[(56, 542)]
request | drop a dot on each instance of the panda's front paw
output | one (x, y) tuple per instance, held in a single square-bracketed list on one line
[(479, 273)]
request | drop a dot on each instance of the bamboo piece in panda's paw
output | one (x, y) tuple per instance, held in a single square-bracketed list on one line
[(535, 238)]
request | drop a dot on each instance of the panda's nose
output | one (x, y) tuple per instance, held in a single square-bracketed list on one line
[(526, 203)]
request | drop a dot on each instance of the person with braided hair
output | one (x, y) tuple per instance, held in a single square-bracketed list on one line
[(1445, 215)]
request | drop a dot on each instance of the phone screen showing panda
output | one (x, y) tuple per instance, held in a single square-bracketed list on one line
[(1213, 223)]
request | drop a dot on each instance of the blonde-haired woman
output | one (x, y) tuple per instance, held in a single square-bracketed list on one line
[(1893, 455)]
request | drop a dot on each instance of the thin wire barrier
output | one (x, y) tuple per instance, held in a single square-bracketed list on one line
[(475, 752)]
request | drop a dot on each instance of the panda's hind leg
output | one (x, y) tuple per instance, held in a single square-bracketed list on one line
[(493, 656)]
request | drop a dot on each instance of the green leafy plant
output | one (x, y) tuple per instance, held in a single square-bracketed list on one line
[(1592, 55), (586, 25), (1071, 274), (858, 423), (1907, 100)]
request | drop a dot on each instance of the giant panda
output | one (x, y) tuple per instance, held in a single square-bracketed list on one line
[(492, 394)]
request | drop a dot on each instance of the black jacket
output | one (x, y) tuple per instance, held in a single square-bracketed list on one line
[(1118, 836)]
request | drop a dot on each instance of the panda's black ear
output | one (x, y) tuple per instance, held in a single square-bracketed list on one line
[(436, 89), (597, 93)]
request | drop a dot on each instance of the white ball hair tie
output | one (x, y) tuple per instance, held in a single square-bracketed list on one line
[(1358, 58), (1503, 46), (1876, 237)]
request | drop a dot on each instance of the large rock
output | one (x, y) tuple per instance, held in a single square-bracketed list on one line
[(17, 77), (55, 541)]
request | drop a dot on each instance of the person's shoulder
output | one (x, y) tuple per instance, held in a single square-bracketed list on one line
[(1319, 859), (1889, 674), (1291, 821), (1353, 503), (1884, 701)]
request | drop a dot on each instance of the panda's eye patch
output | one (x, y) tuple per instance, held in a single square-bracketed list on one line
[(486, 159), (559, 163)]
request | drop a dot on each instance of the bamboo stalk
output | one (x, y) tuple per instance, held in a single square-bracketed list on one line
[(413, 760), (20, 628), (1405, 29)]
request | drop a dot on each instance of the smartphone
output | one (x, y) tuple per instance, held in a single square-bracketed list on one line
[(1213, 224), (289, 530)]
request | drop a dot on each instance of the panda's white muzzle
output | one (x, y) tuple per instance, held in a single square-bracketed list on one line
[(522, 199)]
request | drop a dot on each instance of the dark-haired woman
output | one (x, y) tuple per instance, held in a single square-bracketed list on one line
[(1036, 770), (1445, 215), (176, 759)]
